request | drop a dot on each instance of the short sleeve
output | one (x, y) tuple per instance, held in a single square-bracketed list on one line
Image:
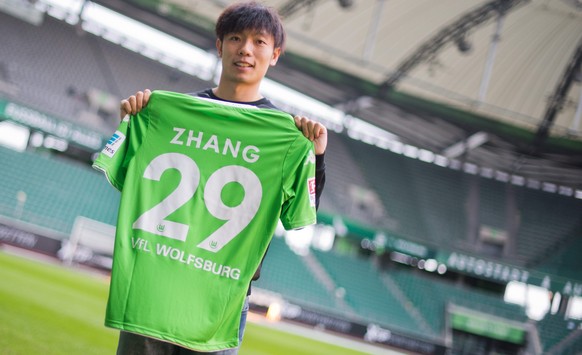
[(299, 185), (117, 154)]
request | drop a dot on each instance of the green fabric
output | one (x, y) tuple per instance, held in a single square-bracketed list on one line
[(203, 185)]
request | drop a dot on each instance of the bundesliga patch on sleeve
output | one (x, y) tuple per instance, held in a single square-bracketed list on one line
[(310, 158), (113, 144), (311, 189)]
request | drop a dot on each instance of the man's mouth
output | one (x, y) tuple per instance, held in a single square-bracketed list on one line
[(243, 64)]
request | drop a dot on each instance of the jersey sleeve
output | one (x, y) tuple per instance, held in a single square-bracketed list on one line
[(117, 154), (299, 186)]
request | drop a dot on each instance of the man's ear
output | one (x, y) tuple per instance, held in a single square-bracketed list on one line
[(219, 47), (275, 57)]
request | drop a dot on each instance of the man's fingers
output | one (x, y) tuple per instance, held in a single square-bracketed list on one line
[(314, 131), (299, 123), (146, 97), (132, 102), (141, 100), (305, 125), (297, 120), (317, 130), (124, 108), (138, 101), (307, 131)]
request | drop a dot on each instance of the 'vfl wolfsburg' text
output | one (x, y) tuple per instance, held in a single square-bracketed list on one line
[(226, 146), (180, 256), (197, 262)]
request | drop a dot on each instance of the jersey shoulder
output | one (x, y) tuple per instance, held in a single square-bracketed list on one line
[(274, 118)]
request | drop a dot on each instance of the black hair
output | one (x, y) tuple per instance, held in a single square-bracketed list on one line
[(251, 16)]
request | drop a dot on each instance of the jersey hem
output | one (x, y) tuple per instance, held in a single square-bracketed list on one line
[(110, 180), (299, 224), (164, 337)]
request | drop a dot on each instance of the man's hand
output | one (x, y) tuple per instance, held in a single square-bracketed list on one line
[(134, 103), (314, 131)]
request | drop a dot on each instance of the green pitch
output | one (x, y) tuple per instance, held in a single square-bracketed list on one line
[(48, 309)]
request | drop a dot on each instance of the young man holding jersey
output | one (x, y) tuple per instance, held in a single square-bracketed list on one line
[(250, 39)]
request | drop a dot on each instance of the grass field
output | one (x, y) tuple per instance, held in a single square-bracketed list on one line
[(49, 309)]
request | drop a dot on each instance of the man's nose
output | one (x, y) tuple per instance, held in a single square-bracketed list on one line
[(246, 47)]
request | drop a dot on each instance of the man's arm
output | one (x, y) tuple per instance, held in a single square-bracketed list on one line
[(319, 178), (317, 133)]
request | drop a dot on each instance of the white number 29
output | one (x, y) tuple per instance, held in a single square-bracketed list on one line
[(236, 217)]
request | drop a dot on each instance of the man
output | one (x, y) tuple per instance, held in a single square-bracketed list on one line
[(250, 39)]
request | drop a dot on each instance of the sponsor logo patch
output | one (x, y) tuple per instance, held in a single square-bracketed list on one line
[(311, 189), (113, 144)]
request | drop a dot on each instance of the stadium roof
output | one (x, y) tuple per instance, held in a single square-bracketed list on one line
[(496, 78), (442, 48)]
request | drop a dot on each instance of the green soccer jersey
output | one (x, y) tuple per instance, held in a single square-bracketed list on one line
[(203, 185)]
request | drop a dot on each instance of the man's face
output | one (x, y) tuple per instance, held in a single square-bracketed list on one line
[(246, 56)]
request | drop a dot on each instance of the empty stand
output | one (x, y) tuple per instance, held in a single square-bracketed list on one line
[(342, 174), (57, 191), (492, 206), (565, 260), (54, 67), (552, 330), (431, 296), (365, 293), (547, 223), (284, 272), (427, 202), (391, 177)]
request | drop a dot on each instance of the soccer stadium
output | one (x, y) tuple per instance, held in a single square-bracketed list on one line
[(451, 220)]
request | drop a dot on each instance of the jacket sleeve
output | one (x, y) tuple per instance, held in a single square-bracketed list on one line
[(319, 178)]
